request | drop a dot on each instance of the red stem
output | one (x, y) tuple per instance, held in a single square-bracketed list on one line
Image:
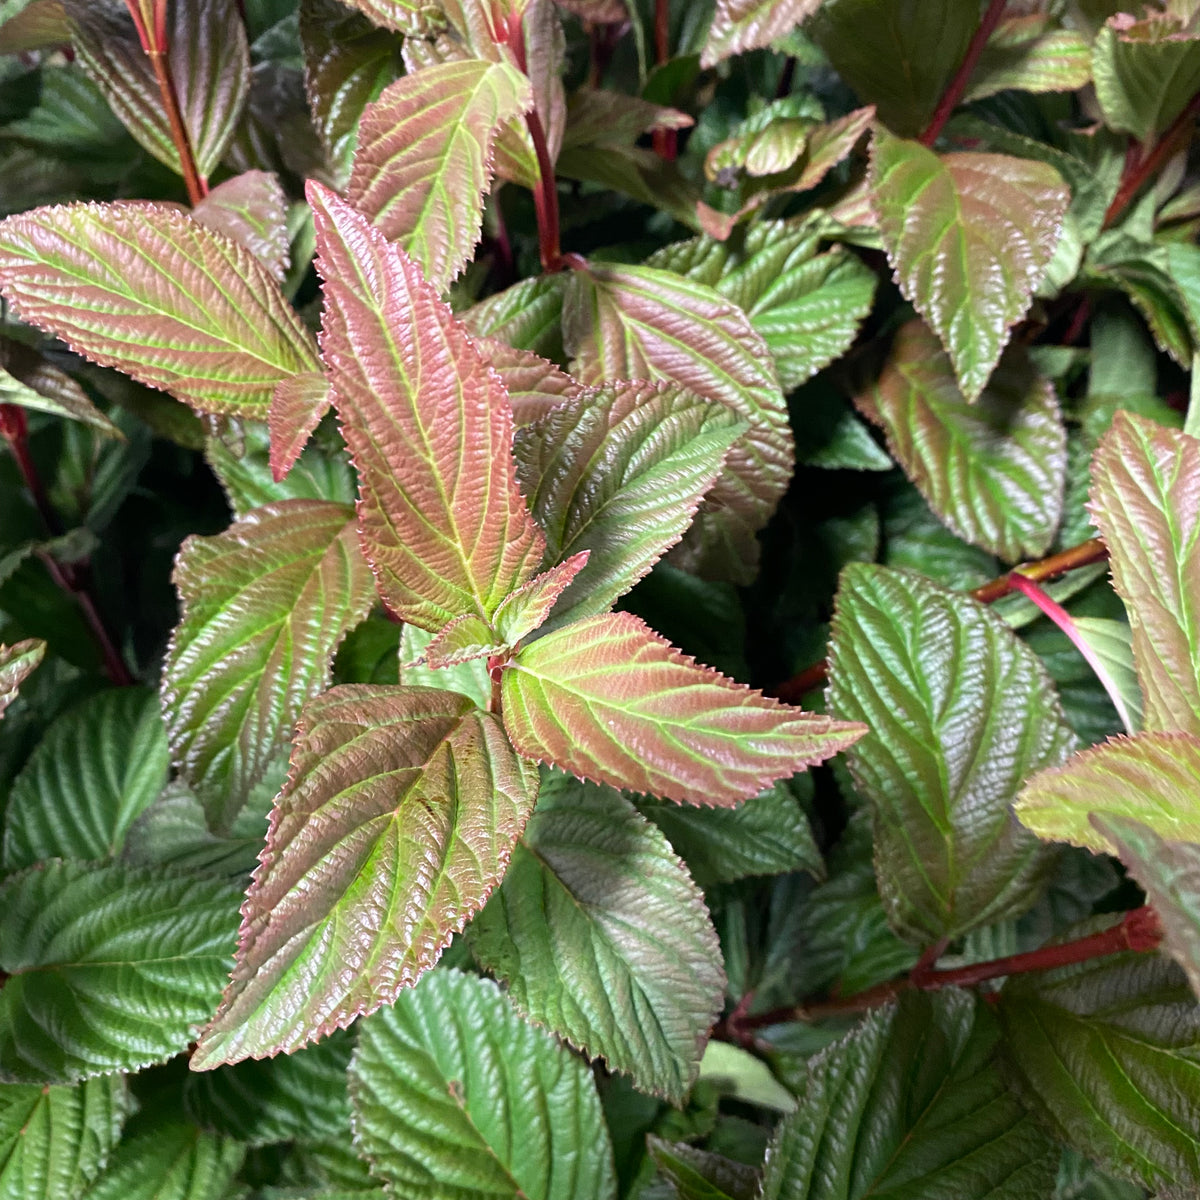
[(664, 140), (957, 88)]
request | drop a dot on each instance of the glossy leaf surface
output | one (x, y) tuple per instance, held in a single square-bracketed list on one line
[(175, 1162), (17, 662), (250, 209), (741, 25)]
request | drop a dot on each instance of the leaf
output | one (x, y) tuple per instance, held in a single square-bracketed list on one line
[(530, 605), (109, 967), (296, 410), (397, 820), (1111, 643), (1108, 1052), (174, 1162), (599, 934), (992, 471), (440, 518), (534, 385), (642, 323), (527, 316), (54, 1140), (598, 117), (734, 1072), (414, 17), (195, 313), (455, 1096), (250, 209), (700, 1175), (1024, 55), (265, 605), (969, 237), (29, 380), (960, 713), (741, 25), (424, 158), (468, 678), (1146, 504), (911, 1103), (99, 765), (209, 63), (604, 700), (620, 472), (17, 662)]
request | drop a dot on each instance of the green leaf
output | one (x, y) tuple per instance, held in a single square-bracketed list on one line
[(265, 605), (405, 16), (642, 323), (741, 25), (193, 312), (424, 158), (700, 1175), (468, 678), (969, 237), (1145, 504), (737, 1073), (1024, 55), (429, 425), (109, 967), (599, 934), (250, 209), (457, 1098), (993, 471), (29, 380), (1109, 1053), (97, 768), (54, 1140), (602, 699), (960, 713), (16, 663), (397, 820), (620, 472), (1111, 642), (911, 1103), (174, 1162), (209, 63)]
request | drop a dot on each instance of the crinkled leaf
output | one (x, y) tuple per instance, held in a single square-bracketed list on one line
[(643, 323), (608, 699), (250, 209), (30, 381), (1109, 1054), (150, 291), (440, 518), (109, 967), (174, 1162), (960, 713), (701, 1175), (620, 472), (911, 1103), (296, 410), (527, 316), (1024, 55), (1146, 504), (469, 677), (741, 25), (767, 143), (457, 1098), (54, 1140), (969, 237), (534, 385), (993, 471), (99, 765), (16, 663), (600, 117), (265, 605), (415, 17), (599, 934), (424, 158), (397, 820)]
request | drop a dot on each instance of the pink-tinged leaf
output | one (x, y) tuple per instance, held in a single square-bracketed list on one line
[(741, 25), (625, 323), (527, 315), (601, 118), (535, 386), (424, 158), (465, 639), (430, 428), (416, 17), (1025, 55), (30, 380), (210, 67), (251, 209), (16, 663), (1146, 504), (265, 605), (398, 818), (527, 608), (148, 290), (609, 700), (969, 237), (40, 25), (296, 410), (829, 144)]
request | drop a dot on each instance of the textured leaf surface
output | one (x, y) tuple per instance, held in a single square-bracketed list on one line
[(440, 517), (17, 662), (110, 968), (98, 766), (265, 605), (296, 410), (1109, 1052), (28, 380), (457, 1098), (741, 25), (1146, 504), (911, 1104), (424, 158), (969, 237), (152, 292), (528, 607), (1025, 56), (174, 1162), (620, 472), (250, 209), (960, 714), (701, 1175), (608, 699), (404, 16), (468, 678), (397, 820), (54, 1140), (534, 385), (599, 934), (993, 471), (643, 323)]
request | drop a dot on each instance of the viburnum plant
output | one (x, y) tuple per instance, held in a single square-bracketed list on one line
[(426, 421)]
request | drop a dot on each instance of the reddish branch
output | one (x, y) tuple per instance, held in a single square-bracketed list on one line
[(664, 140), (1083, 555), (957, 89)]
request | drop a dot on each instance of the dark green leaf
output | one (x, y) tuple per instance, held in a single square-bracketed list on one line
[(174, 1162)]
